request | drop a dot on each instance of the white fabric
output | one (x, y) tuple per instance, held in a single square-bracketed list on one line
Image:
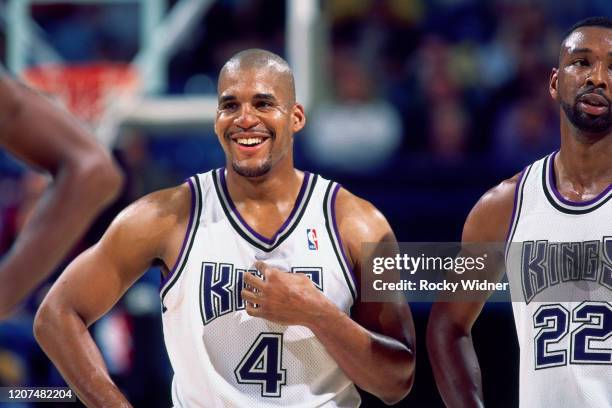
[(554, 312), (206, 353)]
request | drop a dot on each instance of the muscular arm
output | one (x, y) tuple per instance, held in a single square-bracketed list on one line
[(449, 338), (375, 349), (85, 180), (149, 229)]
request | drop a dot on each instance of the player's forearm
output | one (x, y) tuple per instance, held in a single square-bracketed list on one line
[(58, 221), (455, 365), (378, 364), (65, 339)]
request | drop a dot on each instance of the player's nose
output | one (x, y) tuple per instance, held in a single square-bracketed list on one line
[(598, 76), (247, 118)]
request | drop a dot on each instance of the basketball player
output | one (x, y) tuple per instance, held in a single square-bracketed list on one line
[(261, 264), (560, 201), (85, 180)]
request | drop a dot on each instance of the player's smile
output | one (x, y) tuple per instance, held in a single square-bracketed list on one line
[(256, 119), (250, 142)]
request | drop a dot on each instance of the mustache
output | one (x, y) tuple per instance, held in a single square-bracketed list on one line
[(592, 89)]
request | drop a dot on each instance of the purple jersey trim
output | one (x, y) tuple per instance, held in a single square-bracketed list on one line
[(185, 238), (514, 205), (335, 224), (246, 226), (553, 185)]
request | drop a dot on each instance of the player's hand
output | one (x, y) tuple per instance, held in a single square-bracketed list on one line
[(282, 297)]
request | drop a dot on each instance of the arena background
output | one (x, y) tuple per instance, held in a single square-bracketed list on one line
[(418, 106)]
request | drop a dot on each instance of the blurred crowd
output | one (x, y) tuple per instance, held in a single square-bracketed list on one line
[(420, 107)]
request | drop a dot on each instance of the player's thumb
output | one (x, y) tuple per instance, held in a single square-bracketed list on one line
[(262, 267)]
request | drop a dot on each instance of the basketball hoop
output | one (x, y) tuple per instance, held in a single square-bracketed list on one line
[(89, 90)]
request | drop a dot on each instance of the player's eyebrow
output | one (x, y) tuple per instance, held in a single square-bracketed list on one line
[(579, 51), (226, 98), (265, 96)]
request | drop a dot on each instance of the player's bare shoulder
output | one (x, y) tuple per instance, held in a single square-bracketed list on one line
[(359, 221), (165, 207), (490, 218), (157, 220)]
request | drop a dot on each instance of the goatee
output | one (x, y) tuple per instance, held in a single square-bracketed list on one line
[(258, 171), (585, 122)]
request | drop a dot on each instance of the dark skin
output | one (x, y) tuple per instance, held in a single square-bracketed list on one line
[(583, 164), (375, 349), (85, 181), (582, 171), (248, 108)]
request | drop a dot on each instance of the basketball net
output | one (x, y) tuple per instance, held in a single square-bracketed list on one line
[(92, 92)]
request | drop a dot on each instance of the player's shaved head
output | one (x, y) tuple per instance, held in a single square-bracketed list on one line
[(256, 58)]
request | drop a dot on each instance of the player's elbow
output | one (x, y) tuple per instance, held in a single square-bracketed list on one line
[(404, 384), (397, 385), (408, 380), (398, 391), (41, 323), (45, 322), (393, 399), (103, 177)]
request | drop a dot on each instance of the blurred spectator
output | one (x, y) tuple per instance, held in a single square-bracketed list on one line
[(526, 131), (448, 132), (12, 369), (357, 132), (145, 174), (447, 123)]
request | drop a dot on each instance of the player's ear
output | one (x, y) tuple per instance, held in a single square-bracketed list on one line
[(216, 128), (298, 117), (553, 84)]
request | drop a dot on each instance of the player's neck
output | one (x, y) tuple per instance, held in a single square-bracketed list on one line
[(281, 183), (584, 162)]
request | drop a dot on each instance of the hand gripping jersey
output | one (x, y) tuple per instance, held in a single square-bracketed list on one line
[(221, 356), (560, 269)]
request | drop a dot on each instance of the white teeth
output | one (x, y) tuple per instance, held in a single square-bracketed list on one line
[(249, 141)]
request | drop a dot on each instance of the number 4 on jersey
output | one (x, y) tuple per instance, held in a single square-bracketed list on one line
[(262, 364)]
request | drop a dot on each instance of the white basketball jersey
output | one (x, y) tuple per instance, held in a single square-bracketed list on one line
[(560, 269), (221, 356)]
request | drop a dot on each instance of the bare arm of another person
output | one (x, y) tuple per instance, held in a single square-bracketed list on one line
[(449, 338), (150, 229), (85, 181), (375, 348)]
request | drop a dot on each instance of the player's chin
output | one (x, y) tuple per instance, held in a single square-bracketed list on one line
[(251, 168), (595, 124)]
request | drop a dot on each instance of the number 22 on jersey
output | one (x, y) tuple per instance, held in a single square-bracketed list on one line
[(595, 327)]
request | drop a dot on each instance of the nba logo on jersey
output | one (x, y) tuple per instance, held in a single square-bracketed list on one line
[(313, 243)]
